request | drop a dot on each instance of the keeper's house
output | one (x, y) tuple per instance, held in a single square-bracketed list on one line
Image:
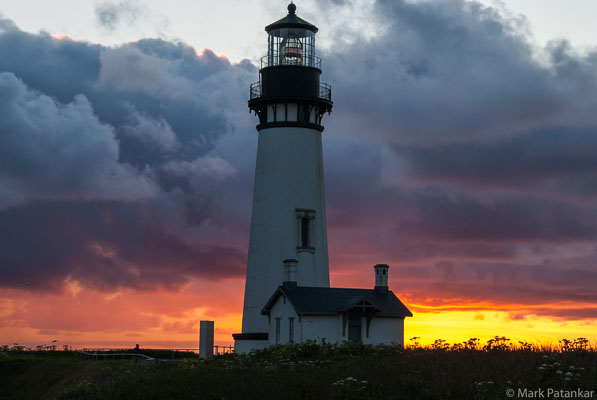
[(368, 316)]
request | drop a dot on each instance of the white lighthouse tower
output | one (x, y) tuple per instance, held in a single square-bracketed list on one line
[(288, 222)]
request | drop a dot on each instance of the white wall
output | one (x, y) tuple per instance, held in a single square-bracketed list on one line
[(382, 330), (245, 346), (288, 175), (318, 327), (283, 310)]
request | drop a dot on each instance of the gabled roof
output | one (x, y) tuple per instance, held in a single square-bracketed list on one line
[(322, 301)]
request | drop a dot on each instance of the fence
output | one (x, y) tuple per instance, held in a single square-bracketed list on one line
[(159, 354), (219, 350), (113, 356)]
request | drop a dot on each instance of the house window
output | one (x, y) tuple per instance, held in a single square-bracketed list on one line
[(291, 329), (277, 330), (305, 234)]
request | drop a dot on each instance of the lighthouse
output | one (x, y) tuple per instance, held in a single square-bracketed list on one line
[(288, 237)]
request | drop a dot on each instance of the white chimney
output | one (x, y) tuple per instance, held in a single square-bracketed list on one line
[(290, 273), (381, 278)]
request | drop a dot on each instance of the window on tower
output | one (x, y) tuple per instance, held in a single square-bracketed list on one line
[(306, 229), (305, 232)]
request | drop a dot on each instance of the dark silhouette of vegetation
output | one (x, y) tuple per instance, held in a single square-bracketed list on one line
[(466, 370)]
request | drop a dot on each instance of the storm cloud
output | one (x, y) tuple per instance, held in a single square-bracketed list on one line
[(108, 170), (457, 151), (457, 141), (53, 151)]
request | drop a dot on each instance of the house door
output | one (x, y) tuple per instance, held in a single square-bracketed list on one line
[(354, 327)]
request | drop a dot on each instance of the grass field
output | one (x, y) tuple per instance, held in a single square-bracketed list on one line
[(308, 371)]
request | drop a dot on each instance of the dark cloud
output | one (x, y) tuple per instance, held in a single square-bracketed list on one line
[(456, 141), (439, 217), (447, 72), (58, 68), (109, 170), (109, 14), (502, 283), (562, 314), (36, 132), (457, 152), (555, 163), (151, 82), (105, 245)]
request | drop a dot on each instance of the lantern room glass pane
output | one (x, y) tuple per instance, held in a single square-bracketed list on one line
[(291, 46)]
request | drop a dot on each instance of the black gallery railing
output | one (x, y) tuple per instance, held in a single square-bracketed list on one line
[(325, 91), (297, 59)]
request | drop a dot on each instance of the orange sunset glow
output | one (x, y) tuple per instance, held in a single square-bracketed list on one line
[(83, 317)]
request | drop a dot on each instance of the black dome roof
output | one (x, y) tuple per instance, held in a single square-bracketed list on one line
[(291, 21)]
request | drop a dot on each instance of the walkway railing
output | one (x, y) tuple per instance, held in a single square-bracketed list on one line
[(302, 60), (325, 91), (223, 350)]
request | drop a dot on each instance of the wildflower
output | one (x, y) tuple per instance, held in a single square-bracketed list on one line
[(559, 372)]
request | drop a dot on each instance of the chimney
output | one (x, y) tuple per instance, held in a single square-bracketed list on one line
[(381, 278), (290, 273)]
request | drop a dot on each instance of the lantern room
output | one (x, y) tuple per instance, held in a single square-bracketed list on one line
[(291, 41), (289, 92)]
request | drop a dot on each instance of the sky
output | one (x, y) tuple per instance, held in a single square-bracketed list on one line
[(461, 151)]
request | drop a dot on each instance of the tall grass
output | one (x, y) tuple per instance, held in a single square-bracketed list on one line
[(470, 370)]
